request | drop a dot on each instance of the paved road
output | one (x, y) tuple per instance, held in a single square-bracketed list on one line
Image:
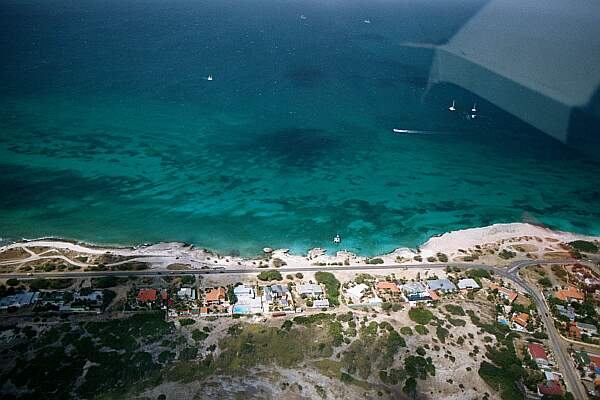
[(511, 272), (515, 266)]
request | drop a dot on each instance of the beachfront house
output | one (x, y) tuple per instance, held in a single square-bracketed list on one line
[(415, 291), (320, 303), (146, 295), (215, 296), (389, 292), (187, 294), (19, 300), (309, 290), (361, 295), (387, 287), (356, 293), (276, 298), (468, 283), (247, 300), (441, 285)]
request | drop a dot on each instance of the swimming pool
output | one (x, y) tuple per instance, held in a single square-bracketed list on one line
[(239, 309)]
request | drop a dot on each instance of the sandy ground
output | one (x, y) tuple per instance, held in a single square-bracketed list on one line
[(528, 241)]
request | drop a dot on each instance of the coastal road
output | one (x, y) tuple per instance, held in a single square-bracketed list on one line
[(509, 271)]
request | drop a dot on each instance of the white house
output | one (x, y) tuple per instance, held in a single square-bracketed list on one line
[(356, 292), (324, 303), (309, 289), (186, 293), (468, 283)]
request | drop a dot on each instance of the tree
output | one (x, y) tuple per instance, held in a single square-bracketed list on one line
[(410, 387), (12, 282), (38, 284)]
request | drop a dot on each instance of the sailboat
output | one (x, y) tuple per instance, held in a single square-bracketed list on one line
[(474, 109), (452, 108), (209, 78)]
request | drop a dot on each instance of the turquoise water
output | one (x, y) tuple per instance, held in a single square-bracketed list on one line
[(241, 309), (110, 132)]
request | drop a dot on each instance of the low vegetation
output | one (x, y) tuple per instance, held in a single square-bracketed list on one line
[(270, 276), (332, 286), (421, 316), (584, 246)]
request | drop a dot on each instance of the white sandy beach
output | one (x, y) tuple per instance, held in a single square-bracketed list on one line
[(454, 244)]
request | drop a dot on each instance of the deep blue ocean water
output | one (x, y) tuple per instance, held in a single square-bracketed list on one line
[(111, 133)]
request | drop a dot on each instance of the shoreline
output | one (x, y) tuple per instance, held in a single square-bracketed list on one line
[(482, 242)]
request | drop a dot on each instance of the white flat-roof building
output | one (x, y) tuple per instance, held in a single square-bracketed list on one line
[(243, 291), (356, 292), (309, 289), (324, 303), (442, 285), (468, 283), (187, 293)]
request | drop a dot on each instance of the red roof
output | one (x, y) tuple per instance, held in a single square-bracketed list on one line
[(572, 293), (147, 295), (550, 388), (391, 286), (216, 294), (594, 359), (536, 351)]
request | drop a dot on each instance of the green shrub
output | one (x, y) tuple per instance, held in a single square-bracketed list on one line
[(457, 321), (584, 245), (545, 282), (455, 310), (405, 330), (375, 260), (12, 282), (442, 333), (420, 315), (270, 276), (332, 285), (188, 353), (38, 284), (507, 254), (442, 257), (186, 321), (198, 335), (421, 330)]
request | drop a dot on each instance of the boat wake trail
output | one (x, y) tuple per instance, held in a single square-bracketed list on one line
[(422, 132)]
